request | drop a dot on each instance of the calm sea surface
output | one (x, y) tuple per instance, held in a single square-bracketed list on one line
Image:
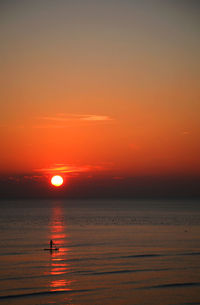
[(110, 252)]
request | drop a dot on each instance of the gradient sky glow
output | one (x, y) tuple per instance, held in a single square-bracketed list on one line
[(100, 86)]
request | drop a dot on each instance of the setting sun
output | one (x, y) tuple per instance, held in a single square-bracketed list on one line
[(57, 180)]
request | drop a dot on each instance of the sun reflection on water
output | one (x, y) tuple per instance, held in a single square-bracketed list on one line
[(59, 266), (60, 285)]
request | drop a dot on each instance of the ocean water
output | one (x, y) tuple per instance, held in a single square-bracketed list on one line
[(110, 252)]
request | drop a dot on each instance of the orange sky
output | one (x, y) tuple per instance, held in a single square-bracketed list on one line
[(105, 87)]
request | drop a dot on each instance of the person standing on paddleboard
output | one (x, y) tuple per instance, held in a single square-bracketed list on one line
[(51, 244)]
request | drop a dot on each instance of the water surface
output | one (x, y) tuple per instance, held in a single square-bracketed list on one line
[(110, 252)]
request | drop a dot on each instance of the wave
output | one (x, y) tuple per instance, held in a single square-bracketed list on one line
[(40, 293), (128, 271), (172, 285), (91, 273), (158, 255), (12, 253), (129, 256), (141, 255), (87, 245), (190, 254)]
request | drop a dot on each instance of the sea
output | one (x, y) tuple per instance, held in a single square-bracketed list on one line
[(111, 252)]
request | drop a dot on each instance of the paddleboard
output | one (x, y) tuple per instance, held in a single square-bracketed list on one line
[(51, 249)]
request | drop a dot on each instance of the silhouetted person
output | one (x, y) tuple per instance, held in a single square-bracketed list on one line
[(51, 243)]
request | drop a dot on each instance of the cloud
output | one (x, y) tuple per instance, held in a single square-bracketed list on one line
[(19, 178), (62, 117), (61, 120), (95, 118), (70, 169)]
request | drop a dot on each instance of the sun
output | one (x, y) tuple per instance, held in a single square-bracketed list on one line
[(57, 180)]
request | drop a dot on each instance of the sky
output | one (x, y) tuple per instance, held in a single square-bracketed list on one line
[(105, 93)]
